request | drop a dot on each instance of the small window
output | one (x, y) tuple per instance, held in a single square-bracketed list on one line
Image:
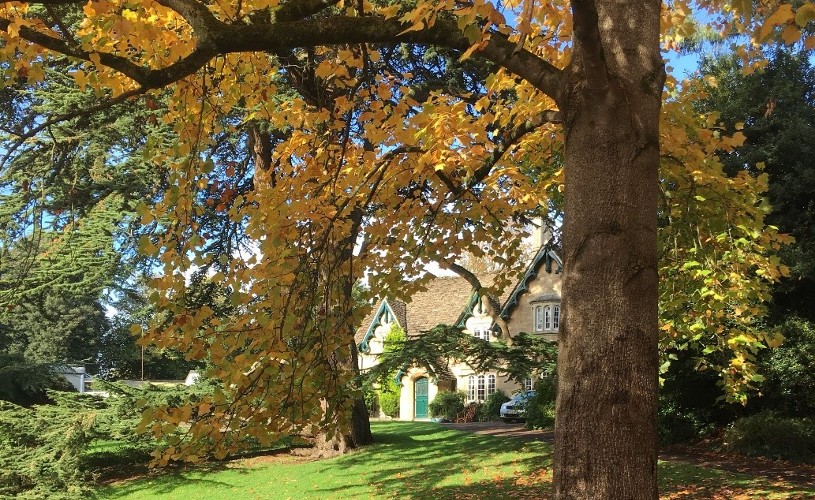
[(471, 388), (547, 318), (481, 388), (482, 333), (527, 384), (490, 385)]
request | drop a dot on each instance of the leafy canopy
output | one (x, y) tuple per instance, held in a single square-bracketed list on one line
[(355, 140)]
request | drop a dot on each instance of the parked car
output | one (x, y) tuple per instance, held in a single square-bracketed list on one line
[(515, 408)]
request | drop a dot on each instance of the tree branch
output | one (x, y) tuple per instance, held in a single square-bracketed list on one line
[(67, 116), (462, 271), (218, 38), (198, 16), (510, 138), (296, 10), (340, 30)]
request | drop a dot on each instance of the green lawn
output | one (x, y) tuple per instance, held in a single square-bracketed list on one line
[(417, 460)]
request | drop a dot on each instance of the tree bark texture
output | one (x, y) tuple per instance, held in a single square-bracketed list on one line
[(605, 431)]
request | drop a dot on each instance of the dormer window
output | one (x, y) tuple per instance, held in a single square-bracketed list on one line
[(547, 318)]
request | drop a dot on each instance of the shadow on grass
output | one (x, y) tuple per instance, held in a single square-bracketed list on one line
[(681, 480), (425, 460), (125, 479)]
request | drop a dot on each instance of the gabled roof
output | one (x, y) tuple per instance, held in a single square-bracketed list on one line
[(388, 310), (445, 300), (546, 258)]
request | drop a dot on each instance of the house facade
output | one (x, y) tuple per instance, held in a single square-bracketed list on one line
[(532, 306)]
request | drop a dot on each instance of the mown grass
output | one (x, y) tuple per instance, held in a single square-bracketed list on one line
[(420, 460)]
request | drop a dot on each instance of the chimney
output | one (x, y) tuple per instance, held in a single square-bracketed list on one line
[(541, 233)]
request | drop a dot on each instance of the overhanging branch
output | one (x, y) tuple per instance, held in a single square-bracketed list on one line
[(215, 37)]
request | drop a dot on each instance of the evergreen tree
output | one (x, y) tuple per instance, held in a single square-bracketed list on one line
[(776, 108)]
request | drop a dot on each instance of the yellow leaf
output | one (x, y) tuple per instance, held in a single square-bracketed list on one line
[(775, 341), (95, 59), (781, 16), (805, 14), (791, 34)]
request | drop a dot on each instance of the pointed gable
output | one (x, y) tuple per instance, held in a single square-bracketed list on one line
[(546, 260), (388, 312)]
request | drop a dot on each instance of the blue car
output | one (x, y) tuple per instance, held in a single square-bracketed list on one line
[(515, 408)]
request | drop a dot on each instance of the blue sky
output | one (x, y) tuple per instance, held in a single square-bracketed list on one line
[(682, 65)]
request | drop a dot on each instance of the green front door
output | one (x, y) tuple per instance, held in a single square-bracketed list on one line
[(420, 390)]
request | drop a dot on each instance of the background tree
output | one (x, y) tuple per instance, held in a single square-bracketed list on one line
[(775, 111)]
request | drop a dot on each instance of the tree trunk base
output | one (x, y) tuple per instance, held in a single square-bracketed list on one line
[(359, 434)]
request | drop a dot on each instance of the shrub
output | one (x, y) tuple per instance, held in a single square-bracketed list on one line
[(769, 435), (447, 405), (370, 397), (389, 402), (677, 424), (690, 400), (540, 409), (789, 386), (491, 408), (389, 389)]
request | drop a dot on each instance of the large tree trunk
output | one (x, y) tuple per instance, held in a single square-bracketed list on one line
[(358, 431), (605, 431)]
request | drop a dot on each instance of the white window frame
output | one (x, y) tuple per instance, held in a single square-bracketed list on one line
[(482, 333), (546, 318), (527, 383), (481, 386), (538, 318)]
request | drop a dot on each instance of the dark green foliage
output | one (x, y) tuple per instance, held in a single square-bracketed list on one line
[(432, 350), (54, 327), (447, 405), (55, 450), (24, 383), (777, 108), (677, 424), (40, 451), (690, 401), (772, 436), (789, 386), (540, 409), (67, 225), (490, 409)]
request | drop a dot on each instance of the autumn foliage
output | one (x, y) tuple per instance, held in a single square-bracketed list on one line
[(355, 155)]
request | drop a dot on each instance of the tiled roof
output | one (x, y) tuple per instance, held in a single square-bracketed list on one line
[(442, 301)]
